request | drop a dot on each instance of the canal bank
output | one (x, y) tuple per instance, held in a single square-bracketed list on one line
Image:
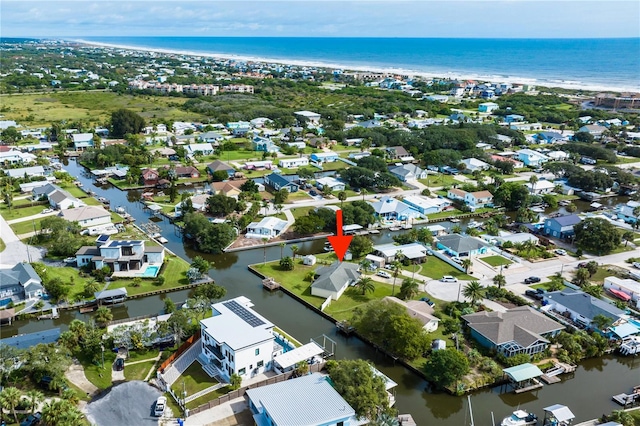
[(595, 379)]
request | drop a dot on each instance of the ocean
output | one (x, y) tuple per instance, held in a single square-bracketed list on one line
[(590, 64)]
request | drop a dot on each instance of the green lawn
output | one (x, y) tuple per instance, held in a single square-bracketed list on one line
[(173, 272), (17, 213), (436, 268), (26, 226), (242, 155), (100, 377), (496, 260), (194, 379), (74, 190), (138, 371), (295, 342), (336, 165), (208, 397), (142, 354), (2, 245), (301, 211), (440, 180)]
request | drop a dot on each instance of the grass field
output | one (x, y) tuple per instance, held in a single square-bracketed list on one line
[(440, 180), (436, 268), (194, 379), (100, 377), (93, 108), (17, 213), (143, 354), (301, 211), (138, 371), (173, 273), (496, 260)]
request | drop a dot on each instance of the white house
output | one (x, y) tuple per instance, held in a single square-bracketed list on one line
[(478, 199), (200, 149), (581, 307), (237, 340), (391, 209), (28, 171), (268, 227), (332, 281), (426, 205), (292, 163), (473, 164), (82, 141), (531, 158), (120, 255), (627, 286), (414, 251), (87, 216), (329, 182), (15, 156), (308, 117), (541, 187), (408, 172), (420, 310)]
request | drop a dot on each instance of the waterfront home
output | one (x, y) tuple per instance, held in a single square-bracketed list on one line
[(199, 149), (594, 130), (237, 340), (531, 158), (198, 202), (331, 281), (278, 182), (540, 187), (420, 310), (626, 211), (324, 157), (261, 144), (398, 153), (293, 163), (120, 255), (415, 252), (28, 340), (408, 172), (389, 208), (456, 194), (268, 227), (581, 307), (308, 400), (473, 164), (308, 118), (11, 155), (82, 141), (218, 165), (478, 199), (25, 171), (458, 245), (87, 216), (623, 289), (330, 183), (488, 107), (30, 186), (436, 230), (57, 197), (149, 177), (426, 205), (561, 226), (111, 296), (517, 238), (520, 330), (187, 172), (19, 283)]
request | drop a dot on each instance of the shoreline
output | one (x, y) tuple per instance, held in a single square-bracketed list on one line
[(563, 84)]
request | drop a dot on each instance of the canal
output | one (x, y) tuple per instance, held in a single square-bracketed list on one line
[(587, 392)]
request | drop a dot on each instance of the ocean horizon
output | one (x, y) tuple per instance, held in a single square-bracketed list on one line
[(587, 64)]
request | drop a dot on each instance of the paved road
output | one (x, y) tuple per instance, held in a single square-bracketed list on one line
[(129, 403), (16, 251)]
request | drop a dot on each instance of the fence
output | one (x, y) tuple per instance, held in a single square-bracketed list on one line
[(447, 259), (325, 304), (186, 345)]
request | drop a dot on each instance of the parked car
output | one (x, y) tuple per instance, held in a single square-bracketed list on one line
[(161, 403), (428, 301), (119, 364), (449, 279), (32, 419), (456, 259), (313, 193), (560, 252), (45, 211), (532, 280), (534, 294), (636, 265), (383, 274), (582, 265)]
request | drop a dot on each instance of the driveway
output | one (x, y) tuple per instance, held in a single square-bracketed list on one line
[(130, 403), (75, 374), (16, 251)]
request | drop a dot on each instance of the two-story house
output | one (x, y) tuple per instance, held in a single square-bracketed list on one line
[(562, 226), (19, 283), (478, 199), (531, 158), (121, 255), (82, 141)]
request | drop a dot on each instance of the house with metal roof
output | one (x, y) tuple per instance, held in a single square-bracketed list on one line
[(624, 289), (414, 251), (408, 172), (278, 182), (268, 227), (426, 205), (19, 283), (28, 171), (473, 164), (82, 141), (237, 340), (26, 341), (391, 209), (308, 400), (581, 307), (308, 117), (330, 183), (459, 245), (516, 331), (561, 226), (87, 216), (332, 281)]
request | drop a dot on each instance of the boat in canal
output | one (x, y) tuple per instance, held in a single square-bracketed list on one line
[(520, 418)]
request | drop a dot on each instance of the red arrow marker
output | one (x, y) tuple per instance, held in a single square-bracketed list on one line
[(339, 242)]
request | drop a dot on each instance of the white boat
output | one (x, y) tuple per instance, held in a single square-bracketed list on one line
[(520, 418), (474, 224)]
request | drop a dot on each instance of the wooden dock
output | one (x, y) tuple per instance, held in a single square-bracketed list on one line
[(344, 328), (550, 379), (270, 284), (534, 386), (626, 399)]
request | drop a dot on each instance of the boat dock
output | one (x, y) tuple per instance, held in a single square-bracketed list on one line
[(53, 315), (626, 399), (551, 376), (344, 328), (270, 284)]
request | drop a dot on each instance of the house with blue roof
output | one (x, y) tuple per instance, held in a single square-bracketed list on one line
[(261, 144), (278, 182), (511, 118), (488, 107), (324, 157), (548, 137), (562, 226)]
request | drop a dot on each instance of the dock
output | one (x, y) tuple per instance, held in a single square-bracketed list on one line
[(87, 309), (550, 379), (626, 399), (270, 284), (551, 376), (344, 328), (53, 315), (533, 386)]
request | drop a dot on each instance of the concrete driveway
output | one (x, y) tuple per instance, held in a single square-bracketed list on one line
[(16, 251)]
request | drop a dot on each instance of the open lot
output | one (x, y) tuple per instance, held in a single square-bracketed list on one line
[(496, 260)]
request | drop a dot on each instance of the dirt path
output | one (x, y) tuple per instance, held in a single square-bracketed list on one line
[(75, 374)]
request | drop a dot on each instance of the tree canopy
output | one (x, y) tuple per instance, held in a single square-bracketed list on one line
[(124, 122), (446, 366), (597, 235), (206, 236)]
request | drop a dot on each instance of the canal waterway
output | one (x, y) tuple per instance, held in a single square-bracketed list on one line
[(587, 392)]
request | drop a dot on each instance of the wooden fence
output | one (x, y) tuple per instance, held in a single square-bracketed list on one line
[(186, 345)]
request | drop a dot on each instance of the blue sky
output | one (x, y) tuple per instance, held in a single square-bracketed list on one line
[(382, 18)]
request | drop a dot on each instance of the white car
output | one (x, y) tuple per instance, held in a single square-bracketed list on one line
[(383, 274), (456, 259), (161, 403), (45, 211), (560, 252), (449, 279), (636, 265)]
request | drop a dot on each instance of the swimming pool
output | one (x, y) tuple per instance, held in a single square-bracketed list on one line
[(286, 346), (150, 272)]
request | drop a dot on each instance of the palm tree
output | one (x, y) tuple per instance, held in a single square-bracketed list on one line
[(366, 285), (628, 236), (409, 288), (499, 280), (601, 322), (363, 192), (11, 398), (533, 180), (103, 316), (396, 266), (294, 250), (342, 195), (456, 229), (57, 382), (282, 245), (466, 264), (621, 416), (35, 397), (264, 248), (473, 291), (365, 266)]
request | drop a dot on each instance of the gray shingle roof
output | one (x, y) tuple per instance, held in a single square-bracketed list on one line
[(584, 304), (461, 244), (335, 276), (567, 220)]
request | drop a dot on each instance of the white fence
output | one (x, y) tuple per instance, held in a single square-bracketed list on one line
[(325, 304), (445, 258)]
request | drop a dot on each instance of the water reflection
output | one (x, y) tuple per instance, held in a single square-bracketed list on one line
[(442, 406)]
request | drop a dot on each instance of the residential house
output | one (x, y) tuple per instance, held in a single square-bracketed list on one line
[(149, 177), (229, 188), (187, 172), (259, 165), (561, 226), (239, 128), (261, 144), (437, 230), (461, 245), (488, 107), (324, 157), (408, 172), (19, 283), (237, 340), (82, 141), (511, 118), (627, 211), (260, 122), (456, 194), (581, 307), (398, 153), (369, 124), (331, 281), (521, 330), (309, 400), (473, 164), (199, 149), (525, 127), (293, 163), (419, 310), (11, 155), (458, 117), (268, 227), (557, 155), (330, 183), (531, 158), (119, 255), (319, 142), (57, 197), (594, 130), (516, 164), (28, 340), (426, 205), (548, 137), (26, 171), (389, 208), (211, 137), (278, 182), (198, 202), (540, 187), (630, 288), (415, 252), (87, 216), (218, 165), (478, 199), (517, 238), (308, 117)]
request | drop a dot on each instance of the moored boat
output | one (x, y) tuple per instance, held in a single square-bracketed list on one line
[(520, 418)]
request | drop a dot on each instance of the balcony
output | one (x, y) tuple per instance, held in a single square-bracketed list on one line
[(215, 351)]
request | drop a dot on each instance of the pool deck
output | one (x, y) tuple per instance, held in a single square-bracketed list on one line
[(138, 272)]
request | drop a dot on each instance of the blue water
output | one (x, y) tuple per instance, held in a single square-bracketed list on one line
[(150, 272), (611, 63)]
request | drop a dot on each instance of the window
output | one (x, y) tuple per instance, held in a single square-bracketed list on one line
[(340, 424), (242, 371), (257, 351), (260, 364)]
